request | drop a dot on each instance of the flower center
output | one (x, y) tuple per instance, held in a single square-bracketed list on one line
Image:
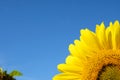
[(105, 65), (109, 72)]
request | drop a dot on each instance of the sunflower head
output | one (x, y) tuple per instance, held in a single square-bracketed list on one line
[(95, 56)]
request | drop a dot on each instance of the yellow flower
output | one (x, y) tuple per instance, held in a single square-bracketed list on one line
[(96, 56)]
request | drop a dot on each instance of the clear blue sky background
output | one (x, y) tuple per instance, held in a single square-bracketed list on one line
[(35, 34)]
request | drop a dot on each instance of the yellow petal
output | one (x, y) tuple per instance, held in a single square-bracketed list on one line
[(100, 33), (108, 38), (116, 35), (75, 52), (67, 76), (83, 49), (71, 60), (90, 39), (69, 68)]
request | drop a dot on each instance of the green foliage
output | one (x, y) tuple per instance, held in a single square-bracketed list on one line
[(5, 76), (15, 73)]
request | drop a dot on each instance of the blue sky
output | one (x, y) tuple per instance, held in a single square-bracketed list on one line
[(35, 34)]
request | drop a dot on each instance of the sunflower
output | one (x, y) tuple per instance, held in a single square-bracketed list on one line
[(96, 56)]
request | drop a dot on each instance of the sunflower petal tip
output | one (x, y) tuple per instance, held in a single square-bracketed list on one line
[(76, 41), (82, 30), (102, 22), (110, 23), (116, 23), (71, 45)]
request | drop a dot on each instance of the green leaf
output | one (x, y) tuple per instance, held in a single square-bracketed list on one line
[(15, 73), (1, 71)]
